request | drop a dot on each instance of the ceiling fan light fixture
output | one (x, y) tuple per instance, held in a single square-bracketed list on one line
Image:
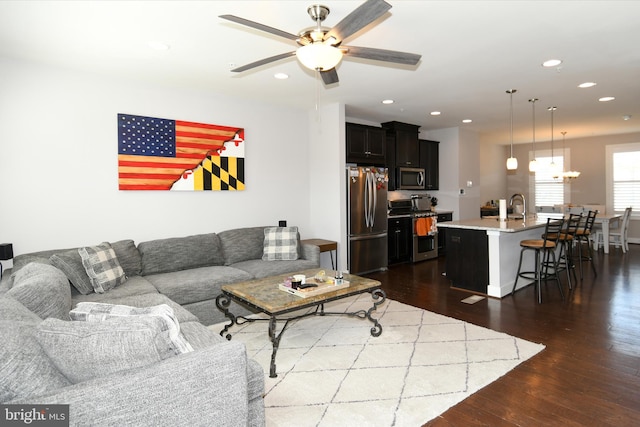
[(319, 56)]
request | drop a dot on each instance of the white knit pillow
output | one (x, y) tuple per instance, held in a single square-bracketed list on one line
[(281, 243)]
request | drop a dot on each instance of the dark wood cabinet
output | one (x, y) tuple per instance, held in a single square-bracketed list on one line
[(429, 161), (467, 260), (402, 138), (399, 237), (407, 149), (442, 232), (402, 148), (366, 145)]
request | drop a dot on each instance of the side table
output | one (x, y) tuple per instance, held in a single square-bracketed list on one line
[(325, 246)]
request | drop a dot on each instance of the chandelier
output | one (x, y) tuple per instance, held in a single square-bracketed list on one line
[(568, 175)]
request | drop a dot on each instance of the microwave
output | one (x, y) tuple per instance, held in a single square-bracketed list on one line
[(410, 178)]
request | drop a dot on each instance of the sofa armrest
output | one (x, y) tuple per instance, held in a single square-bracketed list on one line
[(311, 253), (204, 387)]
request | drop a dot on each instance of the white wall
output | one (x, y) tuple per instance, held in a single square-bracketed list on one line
[(58, 163)]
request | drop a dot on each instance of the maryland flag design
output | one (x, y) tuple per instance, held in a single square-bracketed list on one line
[(166, 154)]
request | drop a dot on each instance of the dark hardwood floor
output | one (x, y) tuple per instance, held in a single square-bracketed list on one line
[(589, 373)]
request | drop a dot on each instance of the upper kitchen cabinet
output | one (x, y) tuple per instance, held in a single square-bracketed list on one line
[(429, 162), (366, 145), (402, 140)]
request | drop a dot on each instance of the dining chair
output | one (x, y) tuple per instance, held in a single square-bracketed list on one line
[(618, 236)]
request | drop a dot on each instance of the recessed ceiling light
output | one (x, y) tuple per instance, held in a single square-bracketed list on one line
[(467, 121), (626, 117), (388, 101), (281, 76), (552, 63), (587, 84), (156, 45), (606, 98), (435, 113)]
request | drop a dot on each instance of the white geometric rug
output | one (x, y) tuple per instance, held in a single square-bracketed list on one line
[(332, 372)]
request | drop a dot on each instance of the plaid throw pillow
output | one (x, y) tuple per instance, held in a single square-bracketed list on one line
[(102, 267), (99, 312), (281, 243)]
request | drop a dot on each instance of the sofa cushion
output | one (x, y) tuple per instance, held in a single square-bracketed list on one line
[(99, 312), (241, 244), (135, 285), (128, 256), (199, 336), (281, 244), (197, 284), (70, 263), (102, 267), (25, 369), (260, 269), (12, 309), (180, 253), (43, 289), (85, 350)]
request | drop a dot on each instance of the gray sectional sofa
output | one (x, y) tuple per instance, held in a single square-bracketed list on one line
[(215, 384)]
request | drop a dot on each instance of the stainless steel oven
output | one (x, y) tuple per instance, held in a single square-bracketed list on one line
[(424, 233), (425, 236)]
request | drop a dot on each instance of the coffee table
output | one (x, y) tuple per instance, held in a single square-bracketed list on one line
[(265, 296)]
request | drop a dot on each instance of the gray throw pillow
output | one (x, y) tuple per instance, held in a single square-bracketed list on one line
[(102, 267), (242, 244), (43, 289), (281, 244), (86, 350), (25, 369), (128, 257), (70, 263)]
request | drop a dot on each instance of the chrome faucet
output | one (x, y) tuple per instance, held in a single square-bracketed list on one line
[(524, 203)]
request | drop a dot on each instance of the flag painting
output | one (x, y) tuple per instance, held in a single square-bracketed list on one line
[(166, 154)]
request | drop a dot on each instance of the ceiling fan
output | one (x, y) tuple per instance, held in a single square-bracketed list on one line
[(321, 49)]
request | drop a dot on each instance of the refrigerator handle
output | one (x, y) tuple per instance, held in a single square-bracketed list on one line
[(375, 199), (366, 199)]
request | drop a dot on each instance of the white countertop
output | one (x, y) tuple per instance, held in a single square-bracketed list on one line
[(494, 224)]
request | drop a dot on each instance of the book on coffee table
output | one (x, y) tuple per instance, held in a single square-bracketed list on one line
[(320, 288)]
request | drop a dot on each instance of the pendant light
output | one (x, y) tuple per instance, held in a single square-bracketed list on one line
[(555, 171), (533, 164), (512, 162), (568, 174)]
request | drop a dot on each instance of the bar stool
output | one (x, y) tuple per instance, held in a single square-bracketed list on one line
[(564, 240), (547, 247), (583, 236)]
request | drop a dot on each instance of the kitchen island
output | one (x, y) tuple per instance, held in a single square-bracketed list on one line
[(483, 254)]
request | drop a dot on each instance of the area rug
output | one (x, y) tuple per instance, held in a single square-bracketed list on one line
[(332, 372)]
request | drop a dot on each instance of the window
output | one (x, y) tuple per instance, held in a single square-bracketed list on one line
[(547, 190), (623, 177)]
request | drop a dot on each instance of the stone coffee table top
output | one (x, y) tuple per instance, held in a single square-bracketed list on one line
[(265, 294)]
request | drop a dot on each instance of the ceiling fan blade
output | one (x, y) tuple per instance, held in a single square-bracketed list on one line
[(264, 61), (329, 76), (259, 26), (362, 16), (382, 55)]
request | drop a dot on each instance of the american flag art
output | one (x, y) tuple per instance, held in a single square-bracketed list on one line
[(154, 153)]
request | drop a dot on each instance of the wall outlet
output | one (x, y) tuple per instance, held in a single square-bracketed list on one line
[(282, 223), (462, 191)]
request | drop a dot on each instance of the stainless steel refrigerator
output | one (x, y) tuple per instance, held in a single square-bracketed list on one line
[(367, 218)]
